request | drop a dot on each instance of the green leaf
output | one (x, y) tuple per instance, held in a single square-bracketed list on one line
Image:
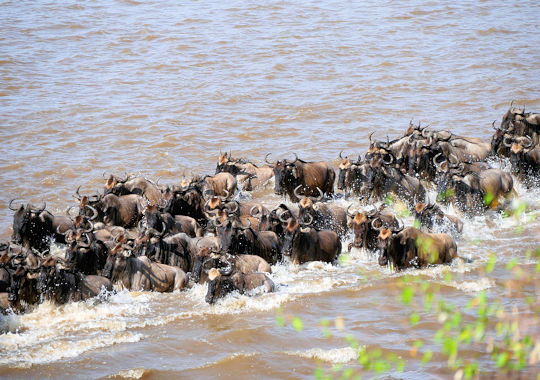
[(427, 356), (417, 224), (418, 343), (512, 263), (279, 318), (414, 319), (297, 324), (491, 263), (502, 359), (407, 295)]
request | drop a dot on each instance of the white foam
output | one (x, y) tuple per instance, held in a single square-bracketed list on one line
[(334, 356)]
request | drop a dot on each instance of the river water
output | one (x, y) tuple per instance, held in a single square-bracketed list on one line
[(157, 88)]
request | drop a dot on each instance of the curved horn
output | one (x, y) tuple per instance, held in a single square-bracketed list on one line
[(282, 218), (303, 223), (91, 226), (77, 195), (68, 211), (372, 212), (266, 160), (349, 213), (235, 209), (530, 142), (340, 155), (391, 159), (493, 125), (399, 228), (507, 141), (437, 163), (374, 226), (295, 191), (370, 141), (453, 159), (94, 212), (10, 203), (226, 194), (259, 212), (318, 198), (295, 158)]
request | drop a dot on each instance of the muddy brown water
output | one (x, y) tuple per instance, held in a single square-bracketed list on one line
[(157, 88)]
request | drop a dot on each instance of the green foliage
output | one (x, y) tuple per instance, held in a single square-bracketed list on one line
[(487, 325)]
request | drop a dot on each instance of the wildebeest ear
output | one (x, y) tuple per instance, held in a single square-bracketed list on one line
[(84, 201)]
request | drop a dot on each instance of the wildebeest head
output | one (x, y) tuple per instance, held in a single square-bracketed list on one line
[(30, 227), (228, 231), (219, 284), (385, 242), (116, 261), (286, 175), (23, 286), (518, 147), (307, 205), (344, 171)]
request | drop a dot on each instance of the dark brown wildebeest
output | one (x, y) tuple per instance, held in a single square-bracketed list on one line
[(60, 285), (324, 216), (23, 290), (366, 226), (414, 248), (311, 176), (139, 273), (187, 200), (220, 284), (430, 216), (303, 243), (209, 258)]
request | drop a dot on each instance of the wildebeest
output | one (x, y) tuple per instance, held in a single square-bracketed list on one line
[(311, 176), (384, 178), (220, 284), (367, 224), (138, 185), (414, 248), (473, 192), (23, 290), (249, 175), (430, 215), (324, 216), (208, 258), (35, 227), (305, 244), (123, 211), (62, 285), (139, 273)]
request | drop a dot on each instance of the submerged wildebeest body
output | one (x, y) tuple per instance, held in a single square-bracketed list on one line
[(139, 273), (366, 226), (61, 285), (307, 244), (220, 285), (323, 216), (414, 248)]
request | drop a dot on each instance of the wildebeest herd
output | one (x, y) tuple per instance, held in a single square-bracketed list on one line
[(145, 236)]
